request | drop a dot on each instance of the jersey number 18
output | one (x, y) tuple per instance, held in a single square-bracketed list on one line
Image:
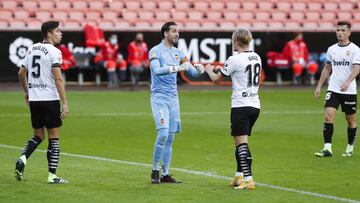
[(253, 71)]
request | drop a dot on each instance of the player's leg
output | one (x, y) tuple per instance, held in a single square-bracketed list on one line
[(349, 107), (37, 122), (53, 123), (242, 121), (331, 104), (160, 112), (111, 71), (351, 133), (53, 156), (174, 126)]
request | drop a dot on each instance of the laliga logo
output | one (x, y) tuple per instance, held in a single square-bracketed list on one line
[(18, 49)]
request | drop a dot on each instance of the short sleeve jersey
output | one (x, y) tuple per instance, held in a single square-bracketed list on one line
[(244, 69), (342, 59), (39, 61)]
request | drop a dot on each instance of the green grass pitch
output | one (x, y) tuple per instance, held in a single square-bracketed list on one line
[(119, 126)]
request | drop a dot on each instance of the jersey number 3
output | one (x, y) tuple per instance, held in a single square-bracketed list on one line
[(35, 73), (253, 74)]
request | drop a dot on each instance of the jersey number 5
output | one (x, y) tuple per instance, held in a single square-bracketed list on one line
[(35, 66), (253, 74)]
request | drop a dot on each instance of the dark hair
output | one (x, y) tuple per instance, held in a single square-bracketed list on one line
[(166, 28), (49, 26), (340, 23)]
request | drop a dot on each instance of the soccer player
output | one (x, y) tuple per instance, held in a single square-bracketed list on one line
[(343, 60), (165, 62), (40, 77), (244, 69)]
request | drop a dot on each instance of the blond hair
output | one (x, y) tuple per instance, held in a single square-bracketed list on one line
[(242, 36)]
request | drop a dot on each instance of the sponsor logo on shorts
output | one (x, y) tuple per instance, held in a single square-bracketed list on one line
[(162, 121)]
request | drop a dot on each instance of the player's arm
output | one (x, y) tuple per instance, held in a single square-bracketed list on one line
[(323, 77), (23, 83), (165, 69), (354, 73), (215, 77), (56, 71)]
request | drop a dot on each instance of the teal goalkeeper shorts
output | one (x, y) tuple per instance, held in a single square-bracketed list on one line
[(166, 112)]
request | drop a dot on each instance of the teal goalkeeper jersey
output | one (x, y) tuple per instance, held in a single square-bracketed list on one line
[(160, 57)]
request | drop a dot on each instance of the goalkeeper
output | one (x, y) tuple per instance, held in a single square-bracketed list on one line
[(165, 62)]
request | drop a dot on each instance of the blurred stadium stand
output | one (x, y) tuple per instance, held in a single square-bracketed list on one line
[(224, 15)]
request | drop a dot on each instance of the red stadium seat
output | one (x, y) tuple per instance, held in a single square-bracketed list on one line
[(312, 15), (79, 5), (129, 15), (246, 15), (71, 24), (49, 5), (179, 15), (65, 5), (330, 6), (132, 5), (18, 24), (201, 5), (33, 24), (29, 5), (243, 24), (76, 15), (232, 6), (217, 5), (4, 24), (59, 14), (165, 5), (116, 5), (292, 26), (297, 15), (43, 14), (300, 6), (344, 15), (149, 5), (99, 5), (110, 14), (265, 5), (9, 4), (144, 24), (157, 24), (283, 5), (228, 25), (146, 15), (214, 15), (259, 25), (328, 15), (310, 25), (356, 15), (279, 15), (121, 24), (192, 24), (327, 26), (6, 14), (93, 15), (230, 15), (249, 6), (106, 24), (195, 15), (262, 15), (163, 15), (21, 14), (346, 6), (276, 25), (208, 24), (181, 5), (316, 6)]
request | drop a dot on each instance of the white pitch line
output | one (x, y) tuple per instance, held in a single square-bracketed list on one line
[(109, 114), (201, 173)]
